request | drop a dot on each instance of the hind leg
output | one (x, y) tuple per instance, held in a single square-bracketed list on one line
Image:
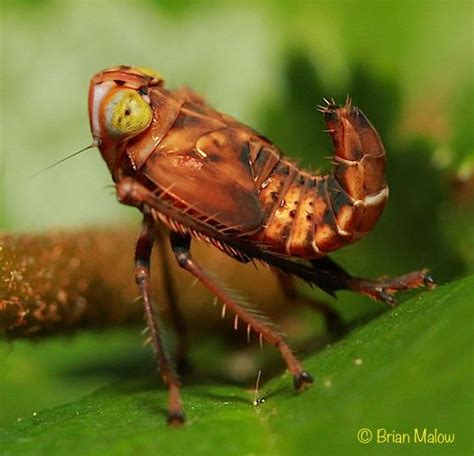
[(330, 277), (336, 278)]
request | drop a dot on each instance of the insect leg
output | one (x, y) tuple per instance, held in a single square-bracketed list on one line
[(330, 277), (334, 323), (378, 289), (181, 248), (142, 276), (177, 319)]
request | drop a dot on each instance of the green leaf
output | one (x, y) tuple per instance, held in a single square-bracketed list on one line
[(409, 368)]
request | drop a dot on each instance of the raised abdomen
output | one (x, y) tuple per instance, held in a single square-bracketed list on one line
[(307, 215)]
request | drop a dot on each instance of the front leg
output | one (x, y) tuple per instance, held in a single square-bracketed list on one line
[(177, 319), (142, 277)]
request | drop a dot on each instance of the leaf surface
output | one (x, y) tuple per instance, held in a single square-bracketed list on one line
[(409, 368)]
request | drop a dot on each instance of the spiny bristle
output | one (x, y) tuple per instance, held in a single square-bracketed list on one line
[(329, 106), (173, 225), (256, 401), (348, 103), (252, 312)]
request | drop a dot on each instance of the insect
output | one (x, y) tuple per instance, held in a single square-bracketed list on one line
[(208, 177)]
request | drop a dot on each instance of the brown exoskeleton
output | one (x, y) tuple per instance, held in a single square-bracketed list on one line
[(207, 176)]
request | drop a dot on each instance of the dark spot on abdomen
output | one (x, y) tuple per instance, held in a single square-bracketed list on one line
[(214, 158)]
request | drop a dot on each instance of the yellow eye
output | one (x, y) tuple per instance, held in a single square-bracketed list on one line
[(126, 113)]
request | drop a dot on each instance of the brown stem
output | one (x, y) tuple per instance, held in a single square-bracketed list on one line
[(59, 281)]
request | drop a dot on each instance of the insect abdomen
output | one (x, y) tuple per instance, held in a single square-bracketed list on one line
[(307, 215)]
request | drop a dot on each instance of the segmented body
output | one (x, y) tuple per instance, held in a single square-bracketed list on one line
[(231, 182), (309, 215)]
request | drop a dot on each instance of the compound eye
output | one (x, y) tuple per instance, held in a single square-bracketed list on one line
[(126, 113)]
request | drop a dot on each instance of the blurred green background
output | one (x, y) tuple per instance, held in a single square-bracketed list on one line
[(408, 65)]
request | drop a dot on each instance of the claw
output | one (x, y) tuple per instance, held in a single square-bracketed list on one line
[(429, 281), (302, 380), (387, 298), (175, 418)]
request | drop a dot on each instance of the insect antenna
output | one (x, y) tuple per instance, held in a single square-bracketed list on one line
[(95, 143)]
